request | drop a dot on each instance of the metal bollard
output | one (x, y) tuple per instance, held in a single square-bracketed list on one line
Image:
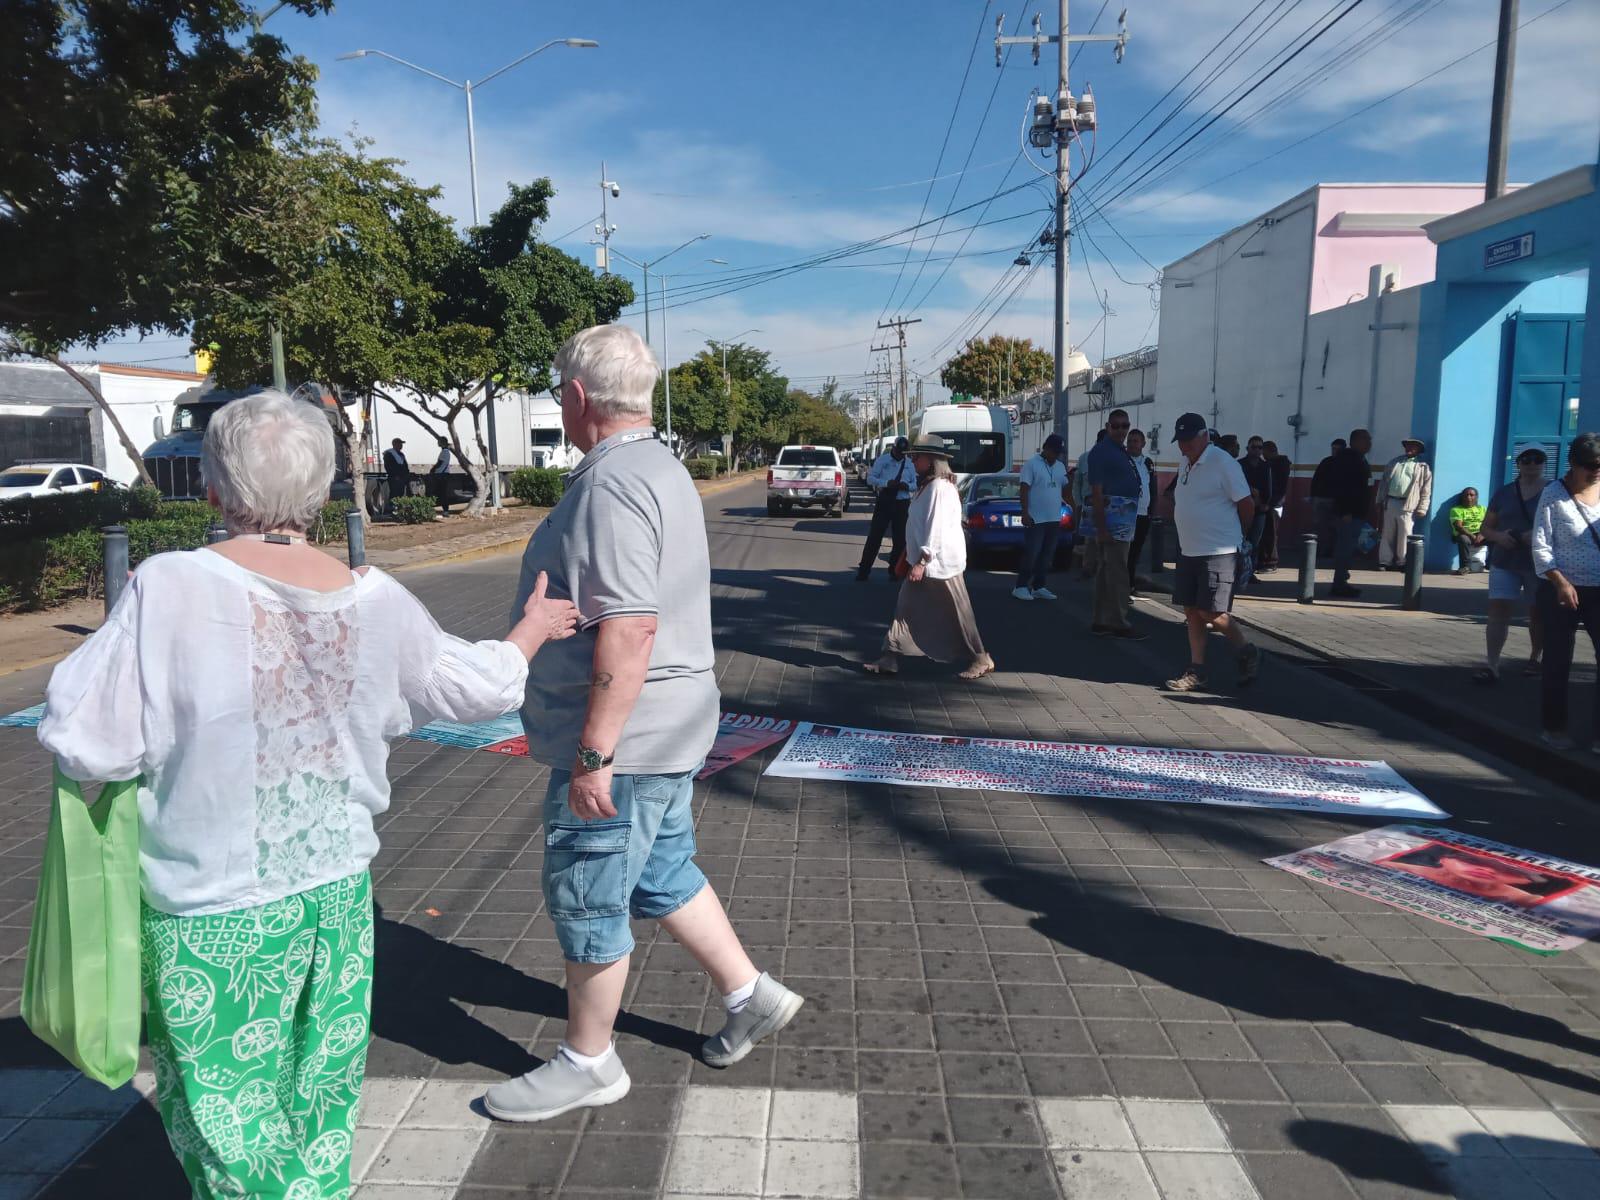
[(355, 534), (116, 560), (1308, 568), (215, 534), (1412, 600), (1158, 545)]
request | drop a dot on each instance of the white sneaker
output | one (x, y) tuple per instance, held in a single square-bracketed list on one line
[(1021, 593), (1044, 594), (559, 1086)]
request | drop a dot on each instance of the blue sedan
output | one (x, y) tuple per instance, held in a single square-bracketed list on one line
[(992, 516)]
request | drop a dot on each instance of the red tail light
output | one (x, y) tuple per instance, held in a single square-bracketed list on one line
[(1066, 520), (975, 521), (769, 476), (838, 479)]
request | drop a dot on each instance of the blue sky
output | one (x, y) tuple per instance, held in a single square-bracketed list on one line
[(787, 131)]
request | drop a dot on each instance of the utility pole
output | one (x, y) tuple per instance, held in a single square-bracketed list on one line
[(604, 230), (1054, 127), (1505, 58), (902, 392)]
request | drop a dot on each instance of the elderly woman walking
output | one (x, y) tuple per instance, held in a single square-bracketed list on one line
[(254, 685), (933, 615)]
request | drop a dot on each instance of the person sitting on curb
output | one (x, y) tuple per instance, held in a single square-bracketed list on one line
[(1466, 526)]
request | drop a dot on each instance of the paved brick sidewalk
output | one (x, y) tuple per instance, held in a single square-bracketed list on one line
[(1009, 995)]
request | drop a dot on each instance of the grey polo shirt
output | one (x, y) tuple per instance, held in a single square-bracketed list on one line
[(628, 539)]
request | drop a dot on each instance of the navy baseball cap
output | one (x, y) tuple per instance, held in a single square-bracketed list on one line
[(902, 443), (1053, 442), (1190, 425)]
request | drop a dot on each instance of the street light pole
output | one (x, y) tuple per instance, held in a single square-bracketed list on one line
[(666, 360), (467, 87), (727, 380)]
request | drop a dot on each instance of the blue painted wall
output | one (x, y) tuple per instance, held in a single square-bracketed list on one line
[(1461, 351)]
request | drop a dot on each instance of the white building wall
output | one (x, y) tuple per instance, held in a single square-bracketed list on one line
[(1341, 391), (138, 400)]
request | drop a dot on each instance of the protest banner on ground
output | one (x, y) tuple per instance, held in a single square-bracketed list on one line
[(1175, 776), (739, 735), (1531, 901), (27, 718)]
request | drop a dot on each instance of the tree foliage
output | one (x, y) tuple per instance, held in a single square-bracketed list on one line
[(997, 366), (373, 288), (127, 128), (129, 131)]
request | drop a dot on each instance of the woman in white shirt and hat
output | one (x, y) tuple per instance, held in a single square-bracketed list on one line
[(254, 686), (933, 615)]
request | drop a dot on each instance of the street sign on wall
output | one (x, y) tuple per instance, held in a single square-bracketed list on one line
[(1497, 254)]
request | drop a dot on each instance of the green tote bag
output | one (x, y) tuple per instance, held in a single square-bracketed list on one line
[(80, 990)]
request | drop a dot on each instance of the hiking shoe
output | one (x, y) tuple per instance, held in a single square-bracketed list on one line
[(557, 1087), (1249, 665), (1021, 593), (1192, 680), (1344, 591), (1557, 739), (1044, 594), (771, 1008)]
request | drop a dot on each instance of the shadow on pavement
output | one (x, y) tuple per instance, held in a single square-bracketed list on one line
[(422, 982), (1478, 1164)]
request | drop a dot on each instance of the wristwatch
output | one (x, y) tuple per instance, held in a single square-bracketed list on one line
[(593, 760)]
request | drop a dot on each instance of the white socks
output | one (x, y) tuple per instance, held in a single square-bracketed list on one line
[(585, 1061), (739, 997)]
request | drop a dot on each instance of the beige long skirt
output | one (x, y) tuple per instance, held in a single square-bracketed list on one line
[(934, 619)]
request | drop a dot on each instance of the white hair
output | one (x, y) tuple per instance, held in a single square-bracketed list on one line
[(617, 369), (270, 461)]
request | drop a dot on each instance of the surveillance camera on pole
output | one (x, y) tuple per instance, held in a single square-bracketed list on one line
[(609, 190)]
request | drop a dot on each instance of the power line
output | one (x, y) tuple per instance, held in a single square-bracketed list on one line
[(1316, 133), (949, 126)]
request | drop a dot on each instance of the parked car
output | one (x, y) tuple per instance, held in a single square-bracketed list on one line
[(50, 479), (991, 517), (807, 477)]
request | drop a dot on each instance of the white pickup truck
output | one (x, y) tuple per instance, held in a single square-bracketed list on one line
[(807, 477)]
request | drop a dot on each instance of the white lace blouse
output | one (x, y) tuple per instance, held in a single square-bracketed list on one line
[(259, 715)]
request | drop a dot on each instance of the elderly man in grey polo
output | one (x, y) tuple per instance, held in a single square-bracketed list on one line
[(624, 721)]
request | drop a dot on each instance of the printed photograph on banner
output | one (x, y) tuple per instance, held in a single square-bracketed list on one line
[(1170, 775), (1533, 901), (739, 735)]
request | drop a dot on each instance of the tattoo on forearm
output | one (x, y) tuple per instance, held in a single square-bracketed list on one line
[(602, 681)]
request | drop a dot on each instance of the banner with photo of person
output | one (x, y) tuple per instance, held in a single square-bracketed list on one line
[(1535, 902), (1172, 775)]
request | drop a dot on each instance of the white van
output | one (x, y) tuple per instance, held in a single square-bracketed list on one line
[(978, 436)]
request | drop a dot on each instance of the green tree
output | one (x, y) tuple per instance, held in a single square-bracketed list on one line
[(996, 367), (751, 402), (501, 303), (130, 131), (817, 422)]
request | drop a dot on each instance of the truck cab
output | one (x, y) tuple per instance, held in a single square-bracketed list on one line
[(173, 459)]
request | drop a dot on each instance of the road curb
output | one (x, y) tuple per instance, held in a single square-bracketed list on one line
[(723, 485)]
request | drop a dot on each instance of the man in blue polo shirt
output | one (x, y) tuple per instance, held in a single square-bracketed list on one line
[(1044, 490), (1114, 489)]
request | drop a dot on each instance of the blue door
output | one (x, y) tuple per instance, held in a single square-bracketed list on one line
[(1541, 403)]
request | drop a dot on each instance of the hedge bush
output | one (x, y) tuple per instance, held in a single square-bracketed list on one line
[(413, 510), (49, 570), (539, 486), (329, 528), (46, 516), (703, 468)]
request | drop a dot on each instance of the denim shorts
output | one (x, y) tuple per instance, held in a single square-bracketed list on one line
[(1506, 583), (640, 861)]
